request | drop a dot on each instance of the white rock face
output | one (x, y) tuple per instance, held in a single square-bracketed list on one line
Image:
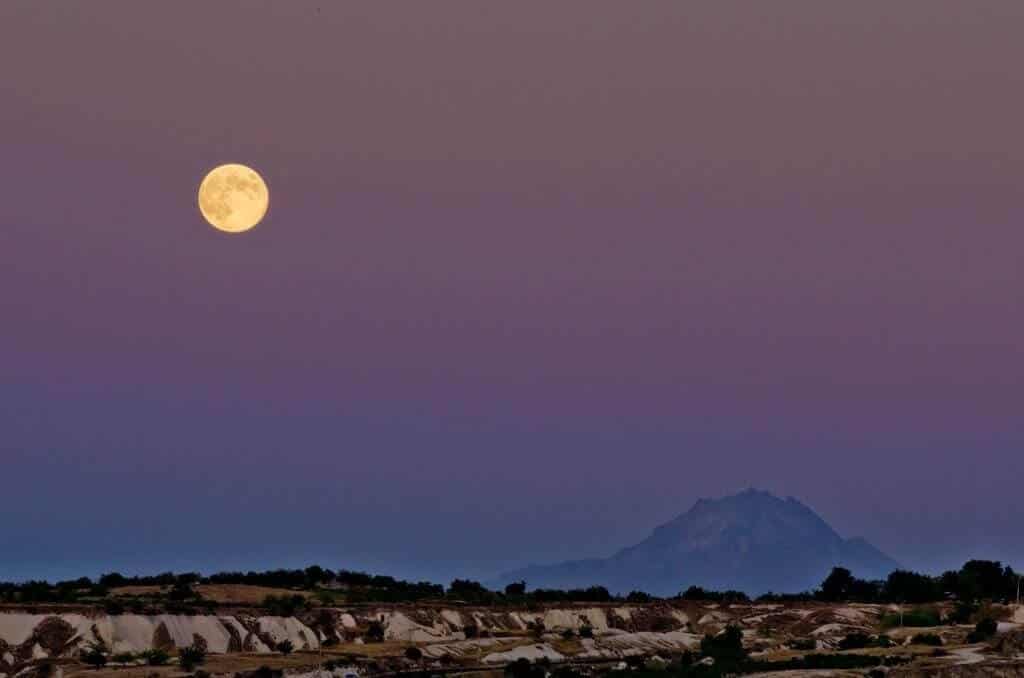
[(397, 626), (529, 652), (16, 627), (221, 634), (290, 628)]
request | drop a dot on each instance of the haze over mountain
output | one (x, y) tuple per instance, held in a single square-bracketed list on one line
[(752, 541)]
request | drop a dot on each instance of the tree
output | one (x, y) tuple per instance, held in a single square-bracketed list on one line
[(837, 585), (469, 591), (910, 587), (113, 579), (517, 588), (638, 597)]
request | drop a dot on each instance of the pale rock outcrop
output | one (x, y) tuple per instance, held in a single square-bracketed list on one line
[(529, 652)]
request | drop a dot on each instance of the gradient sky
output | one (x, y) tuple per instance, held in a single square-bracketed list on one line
[(535, 277)]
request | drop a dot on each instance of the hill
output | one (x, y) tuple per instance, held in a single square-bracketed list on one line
[(752, 541)]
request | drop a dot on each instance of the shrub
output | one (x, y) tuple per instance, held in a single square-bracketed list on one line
[(926, 639), (568, 634), (123, 658), (726, 648), (191, 657), (413, 654), (586, 631), (471, 630), (285, 606), (855, 641), (285, 647), (884, 641), (962, 613), (522, 668), (155, 657), (375, 632), (95, 655), (803, 644), (664, 624), (983, 630), (113, 607)]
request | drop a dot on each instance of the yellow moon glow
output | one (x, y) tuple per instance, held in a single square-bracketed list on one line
[(233, 198)]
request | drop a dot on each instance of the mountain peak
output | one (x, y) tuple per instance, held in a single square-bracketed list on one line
[(751, 541)]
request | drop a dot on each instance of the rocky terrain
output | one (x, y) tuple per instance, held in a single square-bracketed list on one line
[(377, 638)]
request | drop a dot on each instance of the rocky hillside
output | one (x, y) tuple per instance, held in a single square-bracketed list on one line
[(752, 541), (240, 640)]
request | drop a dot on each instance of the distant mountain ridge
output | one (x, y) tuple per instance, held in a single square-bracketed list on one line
[(752, 541)]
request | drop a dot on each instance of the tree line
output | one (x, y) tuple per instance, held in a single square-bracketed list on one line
[(976, 580)]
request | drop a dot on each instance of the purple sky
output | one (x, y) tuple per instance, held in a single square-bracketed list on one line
[(535, 277)]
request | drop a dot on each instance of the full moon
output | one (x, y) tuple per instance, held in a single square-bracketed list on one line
[(233, 198)]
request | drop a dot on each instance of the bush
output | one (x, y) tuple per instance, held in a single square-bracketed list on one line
[(413, 654), (471, 630), (568, 634), (374, 632), (113, 607), (191, 657), (285, 606), (926, 639), (638, 597), (285, 647), (962, 613), (95, 655), (855, 641), (155, 657), (983, 630), (884, 641), (803, 644), (586, 631), (123, 658), (522, 668), (726, 648)]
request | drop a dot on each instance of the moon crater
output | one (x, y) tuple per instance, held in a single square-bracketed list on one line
[(233, 198)]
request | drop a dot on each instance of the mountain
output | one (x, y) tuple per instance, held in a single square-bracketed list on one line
[(752, 541)]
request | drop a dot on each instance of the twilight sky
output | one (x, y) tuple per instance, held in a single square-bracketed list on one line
[(535, 277)]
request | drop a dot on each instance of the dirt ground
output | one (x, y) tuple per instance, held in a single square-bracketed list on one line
[(237, 594)]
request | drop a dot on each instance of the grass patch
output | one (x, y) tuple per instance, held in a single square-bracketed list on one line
[(918, 617)]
